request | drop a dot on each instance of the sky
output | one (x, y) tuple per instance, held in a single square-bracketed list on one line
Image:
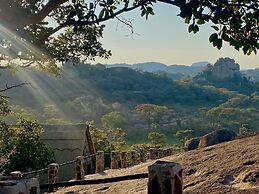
[(164, 38)]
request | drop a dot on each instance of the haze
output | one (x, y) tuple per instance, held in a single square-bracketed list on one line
[(164, 38)]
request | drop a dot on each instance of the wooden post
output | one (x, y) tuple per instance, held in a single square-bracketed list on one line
[(148, 156), (53, 174), (152, 154), (87, 166), (142, 155), (171, 151), (80, 171), (134, 157), (165, 178), (114, 160), (99, 162), (16, 174), (129, 162), (88, 149), (124, 159), (165, 152), (160, 153), (156, 153)]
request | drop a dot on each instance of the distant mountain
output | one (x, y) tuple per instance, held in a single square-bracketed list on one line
[(160, 67), (150, 66), (118, 65), (200, 64), (252, 74)]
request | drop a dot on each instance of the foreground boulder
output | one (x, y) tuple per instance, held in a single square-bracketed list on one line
[(209, 139), (16, 185), (192, 144), (216, 137)]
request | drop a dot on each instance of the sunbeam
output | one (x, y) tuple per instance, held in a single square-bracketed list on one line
[(20, 52)]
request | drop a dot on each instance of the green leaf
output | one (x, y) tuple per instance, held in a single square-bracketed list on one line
[(225, 37), (219, 43), (150, 11), (187, 20), (143, 12), (196, 29), (200, 22), (191, 28), (245, 49), (213, 37), (250, 50), (106, 13), (101, 14), (113, 7), (110, 2)]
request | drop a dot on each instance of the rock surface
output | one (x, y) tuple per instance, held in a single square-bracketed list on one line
[(224, 68), (216, 137), (209, 139), (192, 144), (231, 167)]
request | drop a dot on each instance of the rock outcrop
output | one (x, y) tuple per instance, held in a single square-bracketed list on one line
[(216, 137), (209, 139), (225, 73), (223, 69), (192, 144)]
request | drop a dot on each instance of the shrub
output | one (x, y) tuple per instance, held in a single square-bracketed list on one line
[(20, 146)]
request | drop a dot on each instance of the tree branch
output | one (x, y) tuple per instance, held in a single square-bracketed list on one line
[(12, 86), (47, 9), (14, 18), (83, 23)]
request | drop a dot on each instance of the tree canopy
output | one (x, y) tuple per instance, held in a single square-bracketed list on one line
[(69, 30)]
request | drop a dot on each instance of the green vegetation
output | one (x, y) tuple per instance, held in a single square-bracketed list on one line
[(130, 109), (107, 139), (243, 130), (113, 120), (135, 101), (20, 146), (157, 138), (154, 114)]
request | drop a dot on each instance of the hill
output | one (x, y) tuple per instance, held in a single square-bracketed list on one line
[(225, 73), (231, 167), (90, 92), (252, 74), (184, 70), (101, 87), (200, 64)]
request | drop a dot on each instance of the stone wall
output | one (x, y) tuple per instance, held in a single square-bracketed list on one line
[(67, 142)]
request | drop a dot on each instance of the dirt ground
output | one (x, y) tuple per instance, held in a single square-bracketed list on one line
[(231, 167)]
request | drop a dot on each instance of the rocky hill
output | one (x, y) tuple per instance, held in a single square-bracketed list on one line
[(225, 73), (223, 69), (231, 167)]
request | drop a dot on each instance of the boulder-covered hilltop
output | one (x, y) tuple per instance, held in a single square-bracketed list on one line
[(231, 167), (225, 73), (223, 69)]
